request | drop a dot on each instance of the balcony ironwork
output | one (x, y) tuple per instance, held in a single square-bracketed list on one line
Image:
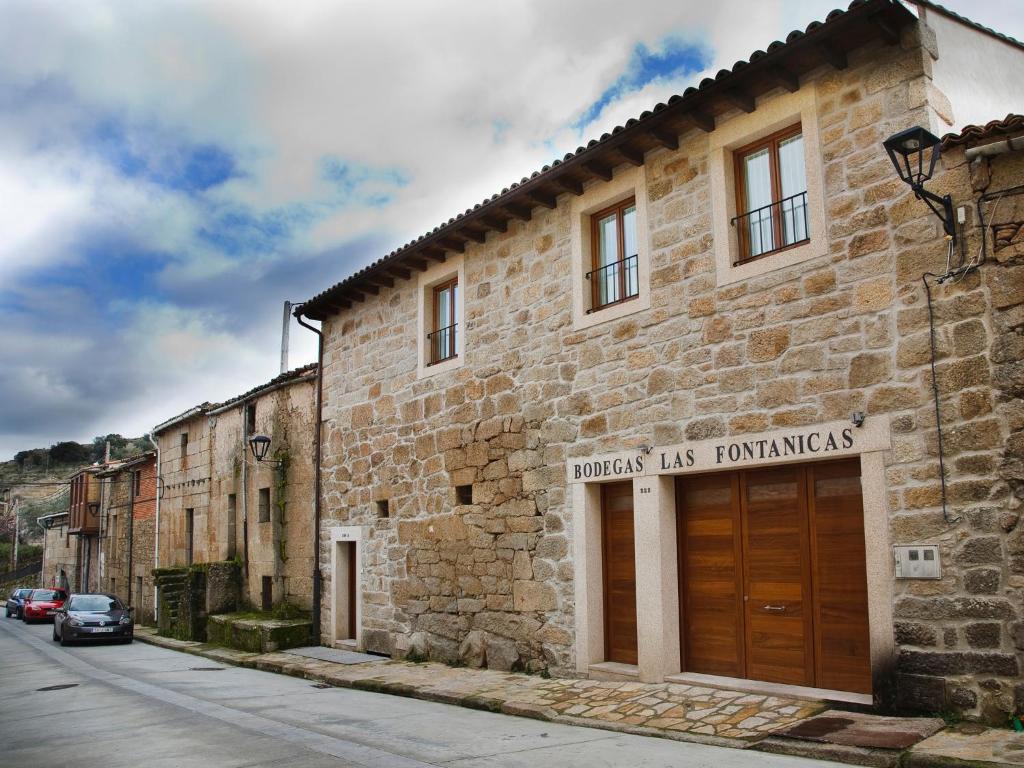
[(772, 228), (442, 344), (614, 283)]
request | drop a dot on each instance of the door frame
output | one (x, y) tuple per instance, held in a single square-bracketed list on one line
[(341, 569)]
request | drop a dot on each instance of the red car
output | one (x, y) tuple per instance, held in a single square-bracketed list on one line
[(42, 604)]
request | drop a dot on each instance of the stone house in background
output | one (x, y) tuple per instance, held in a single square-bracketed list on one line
[(219, 503), (128, 493), (60, 551), (84, 526), (664, 409)]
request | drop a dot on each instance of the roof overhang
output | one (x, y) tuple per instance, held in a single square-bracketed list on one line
[(825, 43)]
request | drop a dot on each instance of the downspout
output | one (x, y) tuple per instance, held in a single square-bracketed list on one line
[(316, 471), (131, 530), (158, 487)]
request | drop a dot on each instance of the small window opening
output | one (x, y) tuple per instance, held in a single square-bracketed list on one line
[(250, 419), (464, 494), (264, 505), (383, 508)]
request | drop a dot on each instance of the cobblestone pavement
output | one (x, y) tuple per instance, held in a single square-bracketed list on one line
[(666, 709)]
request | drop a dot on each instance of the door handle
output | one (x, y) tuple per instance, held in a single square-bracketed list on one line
[(774, 608)]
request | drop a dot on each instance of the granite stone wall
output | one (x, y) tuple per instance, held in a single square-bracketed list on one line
[(808, 343)]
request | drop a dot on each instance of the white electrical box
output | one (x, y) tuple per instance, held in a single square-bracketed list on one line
[(917, 561)]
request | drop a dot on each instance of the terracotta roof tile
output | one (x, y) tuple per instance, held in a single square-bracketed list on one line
[(980, 134)]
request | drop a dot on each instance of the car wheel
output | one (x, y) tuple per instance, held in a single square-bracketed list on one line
[(8, 610), (63, 640), (55, 638)]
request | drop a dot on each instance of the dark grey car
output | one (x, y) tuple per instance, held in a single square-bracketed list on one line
[(93, 617)]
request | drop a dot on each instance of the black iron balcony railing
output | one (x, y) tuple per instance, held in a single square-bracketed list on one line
[(772, 228), (614, 283), (442, 344)]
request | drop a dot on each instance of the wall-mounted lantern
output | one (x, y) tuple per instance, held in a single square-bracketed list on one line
[(915, 152), (259, 445)]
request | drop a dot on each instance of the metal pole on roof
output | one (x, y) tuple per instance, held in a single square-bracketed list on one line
[(285, 325)]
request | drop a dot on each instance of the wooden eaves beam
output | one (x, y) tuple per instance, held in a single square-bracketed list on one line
[(599, 170), (499, 225), (784, 78), (449, 244), (520, 212), (547, 201), (473, 234), (400, 272), (740, 99), (699, 119), (833, 54), (667, 139), (569, 184), (630, 155)]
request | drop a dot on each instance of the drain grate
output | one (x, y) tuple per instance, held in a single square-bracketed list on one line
[(58, 687), (205, 669)]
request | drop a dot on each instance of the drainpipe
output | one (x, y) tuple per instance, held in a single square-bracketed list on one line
[(158, 487), (131, 529), (316, 471)]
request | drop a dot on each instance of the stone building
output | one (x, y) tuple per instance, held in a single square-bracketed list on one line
[(127, 538), (84, 526), (60, 562), (219, 503), (664, 409)]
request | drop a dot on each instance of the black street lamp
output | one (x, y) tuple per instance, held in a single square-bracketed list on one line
[(259, 445), (915, 152)]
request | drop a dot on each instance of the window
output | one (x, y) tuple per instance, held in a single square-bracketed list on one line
[(184, 449), (443, 339), (137, 482), (189, 523), (232, 523), (264, 505), (112, 534), (771, 192), (250, 419), (383, 508), (464, 494), (614, 277)]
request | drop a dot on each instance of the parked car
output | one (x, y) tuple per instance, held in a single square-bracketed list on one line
[(42, 604), (16, 601), (93, 617)]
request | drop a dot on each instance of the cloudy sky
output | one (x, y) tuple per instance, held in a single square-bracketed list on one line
[(171, 172)]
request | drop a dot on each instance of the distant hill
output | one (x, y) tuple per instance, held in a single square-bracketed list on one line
[(37, 476)]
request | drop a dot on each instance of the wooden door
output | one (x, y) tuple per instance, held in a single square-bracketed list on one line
[(842, 639), (777, 575), (619, 572), (711, 576)]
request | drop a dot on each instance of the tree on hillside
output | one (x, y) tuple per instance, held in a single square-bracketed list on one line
[(69, 452)]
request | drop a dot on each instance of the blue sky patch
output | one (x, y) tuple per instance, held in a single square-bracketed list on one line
[(158, 156), (674, 59), (360, 184)]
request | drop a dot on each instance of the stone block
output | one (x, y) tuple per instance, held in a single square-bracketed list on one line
[(767, 344), (920, 693), (982, 581), (533, 596), (870, 368), (983, 635), (501, 654)]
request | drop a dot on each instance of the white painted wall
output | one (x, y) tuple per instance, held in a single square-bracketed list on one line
[(980, 74)]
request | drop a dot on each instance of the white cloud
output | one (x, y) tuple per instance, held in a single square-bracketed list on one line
[(461, 97)]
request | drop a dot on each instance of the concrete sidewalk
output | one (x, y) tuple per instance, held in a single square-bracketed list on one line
[(682, 712)]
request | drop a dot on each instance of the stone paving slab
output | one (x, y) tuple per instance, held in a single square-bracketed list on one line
[(969, 745), (857, 729)]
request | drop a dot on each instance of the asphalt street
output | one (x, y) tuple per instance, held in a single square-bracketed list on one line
[(142, 705)]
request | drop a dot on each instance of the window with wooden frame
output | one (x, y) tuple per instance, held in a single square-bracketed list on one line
[(771, 195), (137, 482), (443, 339), (614, 275)]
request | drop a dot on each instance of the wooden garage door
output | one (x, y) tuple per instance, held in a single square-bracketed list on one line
[(773, 577), (619, 572)]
